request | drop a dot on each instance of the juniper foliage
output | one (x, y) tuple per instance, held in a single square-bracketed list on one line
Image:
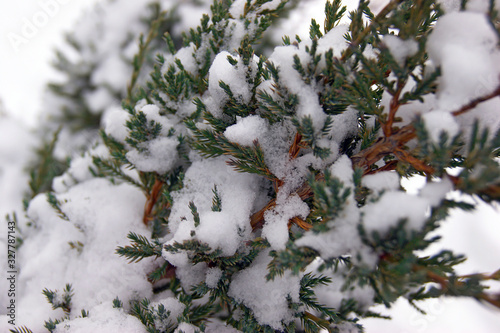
[(329, 115)]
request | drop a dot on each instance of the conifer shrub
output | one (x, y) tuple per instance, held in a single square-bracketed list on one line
[(249, 188)]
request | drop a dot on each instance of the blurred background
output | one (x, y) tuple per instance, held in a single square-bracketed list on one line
[(32, 29)]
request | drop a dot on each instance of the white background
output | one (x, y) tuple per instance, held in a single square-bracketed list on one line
[(25, 68)]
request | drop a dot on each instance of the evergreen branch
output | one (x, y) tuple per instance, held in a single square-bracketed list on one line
[(56, 205), (304, 192), (51, 324), (60, 301), (141, 248), (216, 201), (384, 146), (248, 159), (465, 286), (140, 57), (196, 215), (109, 168), (245, 159), (164, 271), (293, 259), (333, 12), (117, 304), (142, 311), (42, 175), (382, 15)]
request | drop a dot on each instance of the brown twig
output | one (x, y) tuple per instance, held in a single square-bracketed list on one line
[(300, 223), (294, 150), (151, 200), (472, 104), (392, 144), (257, 219), (304, 192), (389, 166), (393, 108), (381, 15), (419, 165), (384, 146), (444, 282)]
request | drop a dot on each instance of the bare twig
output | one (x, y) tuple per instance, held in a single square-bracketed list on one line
[(472, 104), (151, 200), (366, 31)]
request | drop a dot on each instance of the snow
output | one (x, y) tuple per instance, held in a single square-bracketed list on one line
[(216, 229), (104, 318), (112, 71), (384, 180), (158, 155), (101, 213), (247, 130), (186, 328), (464, 45), (435, 191), (226, 229), (79, 170), (173, 306), (114, 123), (215, 326), (339, 290), (267, 299), (344, 126), (185, 56), (276, 220), (237, 8), (271, 5), (400, 49), (283, 56), (342, 169), (233, 76), (213, 276), (99, 220), (392, 207), (437, 122), (343, 238), (99, 99)]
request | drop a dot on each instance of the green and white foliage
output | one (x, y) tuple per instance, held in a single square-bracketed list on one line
[(263, 193), (103, 61)]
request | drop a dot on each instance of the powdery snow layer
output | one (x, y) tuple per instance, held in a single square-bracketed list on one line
[(400, 49), (464, 45), (77, 245), (247, 130), (100, 217), (16, 152), (225, 229), (267, 299), (103, 319)]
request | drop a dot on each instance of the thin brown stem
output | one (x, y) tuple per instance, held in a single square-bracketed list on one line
[(393, 108), (444, 282), (151, 200), (366, 31), (472, 104)]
